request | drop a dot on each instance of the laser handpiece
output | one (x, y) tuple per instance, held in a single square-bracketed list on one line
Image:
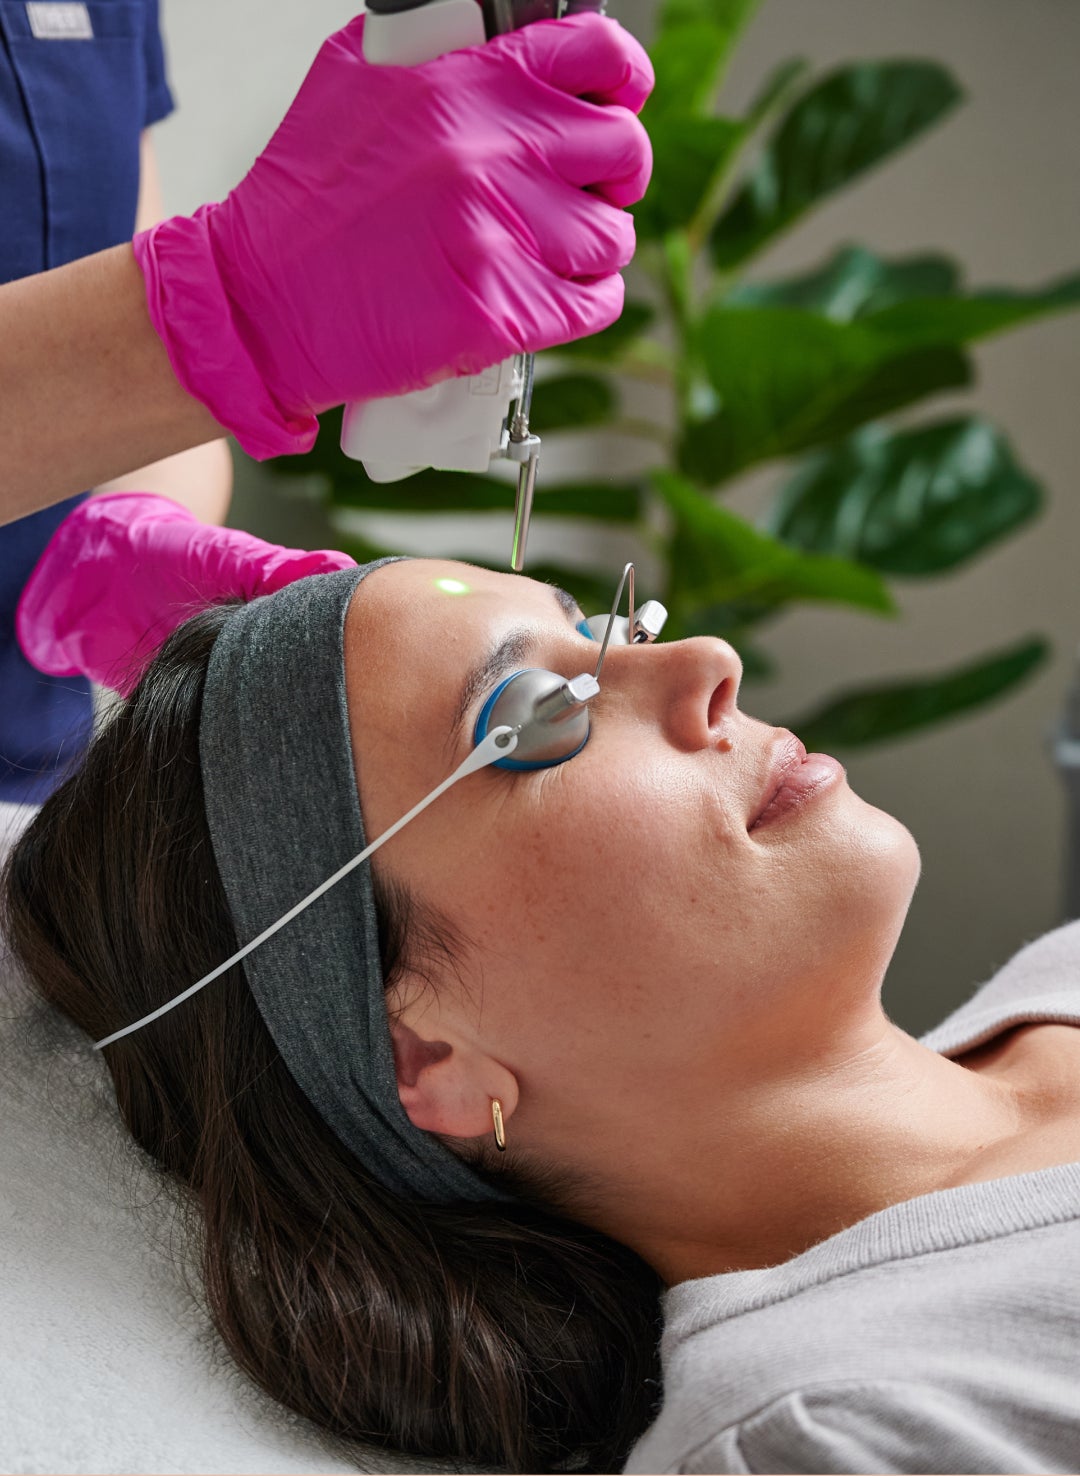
[(462, 424)]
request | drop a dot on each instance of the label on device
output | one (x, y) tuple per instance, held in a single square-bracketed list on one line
[(487, 382), (52, 21)]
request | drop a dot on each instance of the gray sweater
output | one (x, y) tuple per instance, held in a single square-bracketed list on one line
[(939, 1335)]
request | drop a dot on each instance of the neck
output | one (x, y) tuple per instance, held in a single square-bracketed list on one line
[(770, 1169)]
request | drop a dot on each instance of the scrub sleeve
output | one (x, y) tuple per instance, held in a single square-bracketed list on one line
[(78, 84)]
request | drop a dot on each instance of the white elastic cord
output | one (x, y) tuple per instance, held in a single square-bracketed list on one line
[(485, 752)]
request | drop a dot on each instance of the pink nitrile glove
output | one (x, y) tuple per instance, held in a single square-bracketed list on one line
[(123, 570), (408, 224)]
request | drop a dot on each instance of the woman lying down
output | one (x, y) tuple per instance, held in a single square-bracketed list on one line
[(594, 1040)]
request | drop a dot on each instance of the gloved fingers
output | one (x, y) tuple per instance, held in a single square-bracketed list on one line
[(123, 570), (228, 563), (580, 235), (286, 565), (571, 310), (603, 149), (586, 55), (84, 564)]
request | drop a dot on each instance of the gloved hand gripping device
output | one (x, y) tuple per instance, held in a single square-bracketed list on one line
[(467, 423)]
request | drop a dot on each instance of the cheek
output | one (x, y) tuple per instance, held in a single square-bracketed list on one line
[(633, 874), (614, 866)]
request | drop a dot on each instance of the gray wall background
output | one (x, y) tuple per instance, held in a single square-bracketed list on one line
[(997, 187)]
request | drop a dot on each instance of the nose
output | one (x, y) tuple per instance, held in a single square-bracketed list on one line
[(690, 687)]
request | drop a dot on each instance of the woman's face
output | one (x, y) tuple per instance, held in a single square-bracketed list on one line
[(622, 922)]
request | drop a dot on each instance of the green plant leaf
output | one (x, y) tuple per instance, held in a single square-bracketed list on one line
[(450, 492), (775, 90), (572, 402), (611, 342), (693, 155), (883, 712), (717, 556), (689, 152), (592, 589), (609, 502), (924, 320), (785, 380), (853, 283), (758, 665), (348, 541), (424, 492), (326, 456), (852, 119), (731, 618), (693, 41), (912, 502), (715, 620)]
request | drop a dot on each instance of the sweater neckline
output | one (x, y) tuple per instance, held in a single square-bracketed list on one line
[(929, 1224), (938, 1221)]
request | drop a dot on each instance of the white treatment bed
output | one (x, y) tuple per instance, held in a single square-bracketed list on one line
[(106, 1363)]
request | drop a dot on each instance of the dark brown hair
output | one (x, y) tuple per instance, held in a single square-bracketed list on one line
[(499, 1336)]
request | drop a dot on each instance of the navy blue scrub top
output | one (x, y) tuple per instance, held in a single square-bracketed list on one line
[(78, 84)]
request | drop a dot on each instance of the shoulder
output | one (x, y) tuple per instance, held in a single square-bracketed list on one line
[(936, 1311), (1040, 982), (863, 1425)]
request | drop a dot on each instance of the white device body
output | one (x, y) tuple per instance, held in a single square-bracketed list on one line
[(456, 425)]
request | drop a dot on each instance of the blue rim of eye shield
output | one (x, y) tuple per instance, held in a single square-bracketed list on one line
[(583, 629), (520, 765)]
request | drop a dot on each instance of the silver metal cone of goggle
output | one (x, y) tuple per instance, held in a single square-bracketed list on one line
[(549, 713)]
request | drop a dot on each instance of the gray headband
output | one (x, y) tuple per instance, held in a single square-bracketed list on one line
[(284, 814)]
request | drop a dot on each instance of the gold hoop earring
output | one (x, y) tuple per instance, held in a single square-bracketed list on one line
[(497, 1118)]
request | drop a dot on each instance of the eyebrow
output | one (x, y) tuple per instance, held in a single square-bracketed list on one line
[(509, 654)]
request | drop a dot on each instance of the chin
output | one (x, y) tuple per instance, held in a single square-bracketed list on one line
[(893, 859), (878, 867), (894, 843)]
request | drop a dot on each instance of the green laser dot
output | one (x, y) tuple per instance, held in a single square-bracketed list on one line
[(452, 586)]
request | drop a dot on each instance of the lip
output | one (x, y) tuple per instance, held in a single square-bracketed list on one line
[(795, 776)]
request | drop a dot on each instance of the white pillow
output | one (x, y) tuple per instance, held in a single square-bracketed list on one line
[(107, 1364)]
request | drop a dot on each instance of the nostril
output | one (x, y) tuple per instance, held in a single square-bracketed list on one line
[(718, 703)]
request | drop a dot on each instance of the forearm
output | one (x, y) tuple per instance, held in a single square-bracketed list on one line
[(86, 388), (200, 479)]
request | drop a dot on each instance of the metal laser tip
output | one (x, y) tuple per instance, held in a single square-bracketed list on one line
[(523, 503), (520, 436)]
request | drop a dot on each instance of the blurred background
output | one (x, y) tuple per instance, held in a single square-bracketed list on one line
[(993, 185)]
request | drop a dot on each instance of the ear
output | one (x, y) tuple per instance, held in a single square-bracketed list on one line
[(447, 1085)]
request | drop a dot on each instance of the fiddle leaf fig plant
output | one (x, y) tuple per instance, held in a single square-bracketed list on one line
[(745, 372)]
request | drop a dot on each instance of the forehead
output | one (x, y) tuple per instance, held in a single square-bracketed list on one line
[(424, 619), (415, 599)]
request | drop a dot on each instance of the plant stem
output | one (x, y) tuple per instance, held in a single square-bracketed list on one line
[(678, 293), (763, 111)]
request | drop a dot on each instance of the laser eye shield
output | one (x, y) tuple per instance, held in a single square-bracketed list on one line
[(549, 713), (532, 720)]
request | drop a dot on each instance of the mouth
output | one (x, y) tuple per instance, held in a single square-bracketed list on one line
[(794, 777)]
